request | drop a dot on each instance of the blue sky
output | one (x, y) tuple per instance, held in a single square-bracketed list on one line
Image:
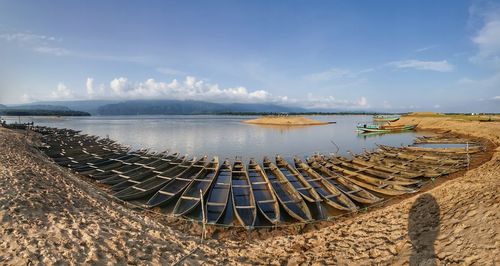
[(384, 55)]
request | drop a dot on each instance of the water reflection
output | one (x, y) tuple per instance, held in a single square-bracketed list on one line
[(282, 128), (226, 136)]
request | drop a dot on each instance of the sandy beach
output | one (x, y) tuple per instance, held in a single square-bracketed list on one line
[(285, 121), (50, 216)]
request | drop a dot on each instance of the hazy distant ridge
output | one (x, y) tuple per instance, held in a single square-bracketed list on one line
[(171, 107), (39, 110)]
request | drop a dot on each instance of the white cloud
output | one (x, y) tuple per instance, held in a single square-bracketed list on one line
[(496, 98), (440, 66), (487, 38), (491, 82), (25, 37), (333, 73), (89, 84), (170, 71), (62, 92), (260, 95), (50, 45), (437, 106), (119, 85), (426, 48), (189, 89), (192, 88), (25, 98), (58, 51), (362, 102), (39, 43), (485, 20)]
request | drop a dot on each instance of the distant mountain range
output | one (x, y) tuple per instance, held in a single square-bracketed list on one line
[(39, 110), (158, 107), (173, 107), (155, 107), (89, 106)]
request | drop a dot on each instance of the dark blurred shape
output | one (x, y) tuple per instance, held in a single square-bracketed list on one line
[(423, 229)]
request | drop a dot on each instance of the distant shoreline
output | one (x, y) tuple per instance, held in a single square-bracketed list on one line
[(79, 114)]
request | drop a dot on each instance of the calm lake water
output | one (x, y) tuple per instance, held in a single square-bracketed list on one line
[(226, 136)]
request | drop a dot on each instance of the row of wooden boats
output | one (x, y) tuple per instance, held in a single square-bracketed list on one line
[(439, 139), (15, 125), (273, 192)]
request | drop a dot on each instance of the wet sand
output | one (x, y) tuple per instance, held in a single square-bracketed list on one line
[(50, 215)]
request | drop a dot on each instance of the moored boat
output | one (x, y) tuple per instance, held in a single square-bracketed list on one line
[(297, 180), (385, 128), (191, 197), (219, 194), (167, 169), (139, 171), (331, 195), (350, 189), (264, 194), (242, 195), (393, 177), (385, 118), (370, 183), (176, 186), (288, 196)]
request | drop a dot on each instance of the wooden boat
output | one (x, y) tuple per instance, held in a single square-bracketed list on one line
[(425, 170), (436, 160), (331, 195), (263, 191), (393, 177), (68, 161), (121, 166), (372, 184), (130, 170), (219, 194), (290, 199), (242, 195), (442, 140), (385, 118), (407, 172), (347, 187), (144, 161), (176, 186), (96, 160), (455, 150), (168, 170), (104, 163), (151, 185), (365, 135), (297, 180), (370, 173), (385, 128), (190, 199)]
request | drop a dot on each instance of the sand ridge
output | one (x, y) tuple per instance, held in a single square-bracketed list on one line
[(50, 215), (285, 121)]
